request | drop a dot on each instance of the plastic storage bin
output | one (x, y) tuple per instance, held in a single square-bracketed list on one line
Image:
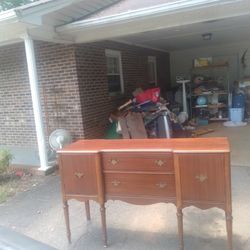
[(236, 114), (238, 101)]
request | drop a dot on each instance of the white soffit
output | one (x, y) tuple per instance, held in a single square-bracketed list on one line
[(230, 30), (164, 16), (77, 9), (59, 12), (40, 18)]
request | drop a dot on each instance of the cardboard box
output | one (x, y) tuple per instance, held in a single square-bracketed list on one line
[(202, 62)]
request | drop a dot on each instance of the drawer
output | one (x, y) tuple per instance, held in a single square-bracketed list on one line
[(78, 174), (152, 185), (131, 161)]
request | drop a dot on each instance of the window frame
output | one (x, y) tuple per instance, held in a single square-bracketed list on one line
[(152, 59), (116, 54)]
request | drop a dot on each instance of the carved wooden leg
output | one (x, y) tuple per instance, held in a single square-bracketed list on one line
[(180, 228), (229, 224), (66, 216), (87, 209), (104, 226)]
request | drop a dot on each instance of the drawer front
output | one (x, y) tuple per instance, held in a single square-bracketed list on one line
[(160, 162), (152, 185), (78, 174), (202, 177)]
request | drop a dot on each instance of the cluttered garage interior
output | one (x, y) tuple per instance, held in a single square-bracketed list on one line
[(209, 93)]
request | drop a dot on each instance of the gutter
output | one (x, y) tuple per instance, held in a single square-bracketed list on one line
[(163, 9), (25, 12), (8, 16)]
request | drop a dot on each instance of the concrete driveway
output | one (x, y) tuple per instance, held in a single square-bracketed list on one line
[(38, 213)]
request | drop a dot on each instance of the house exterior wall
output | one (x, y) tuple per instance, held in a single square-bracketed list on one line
[(16, 114), (59, 90), (73, 88), (97, 104), (59, 93), (93, 89)]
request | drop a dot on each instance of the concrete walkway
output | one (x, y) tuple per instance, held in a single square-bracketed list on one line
[(239, 138), (38, 213)]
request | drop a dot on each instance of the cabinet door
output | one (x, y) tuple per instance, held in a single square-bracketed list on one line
[(78, 174), (202, 177)]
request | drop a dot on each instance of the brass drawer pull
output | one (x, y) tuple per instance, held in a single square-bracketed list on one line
[(116, 183), (160, 163), (79, 175), (161, 185), (114, 162), (201, 178)]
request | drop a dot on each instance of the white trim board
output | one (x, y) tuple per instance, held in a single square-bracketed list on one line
[(138, 45), (118, 54)]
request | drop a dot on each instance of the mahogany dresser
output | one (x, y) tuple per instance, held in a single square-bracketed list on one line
[(186, 172)]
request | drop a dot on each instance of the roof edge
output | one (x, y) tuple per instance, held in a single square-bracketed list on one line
[(8, 15), (178, 5), (22, 13)]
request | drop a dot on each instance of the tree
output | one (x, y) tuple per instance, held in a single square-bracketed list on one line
[(9, 4)]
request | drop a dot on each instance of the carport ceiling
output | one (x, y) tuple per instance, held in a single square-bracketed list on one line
[(190, 36)]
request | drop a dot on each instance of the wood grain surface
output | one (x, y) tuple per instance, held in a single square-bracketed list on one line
[(216, 144), (186, 172)]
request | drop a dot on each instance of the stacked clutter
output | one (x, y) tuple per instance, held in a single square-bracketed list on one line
[(146, 115)]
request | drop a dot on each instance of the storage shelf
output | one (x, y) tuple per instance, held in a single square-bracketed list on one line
[(219, 105), (218, 119), (211, 106), (211, 93), (212, 66), (199, 106), (208, 92)]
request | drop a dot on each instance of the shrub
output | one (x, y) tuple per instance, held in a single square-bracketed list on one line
[(5, 159)]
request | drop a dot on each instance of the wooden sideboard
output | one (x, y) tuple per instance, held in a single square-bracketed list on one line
[(186, 172)]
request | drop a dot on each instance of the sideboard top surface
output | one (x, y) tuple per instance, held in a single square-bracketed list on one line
[(183, 145)]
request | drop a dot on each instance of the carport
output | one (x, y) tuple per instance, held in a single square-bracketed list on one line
[(171, 26)]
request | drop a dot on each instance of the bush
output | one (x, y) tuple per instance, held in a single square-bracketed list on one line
[(5, 159)]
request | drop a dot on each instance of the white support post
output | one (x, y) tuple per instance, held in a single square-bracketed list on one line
[(34, 87)]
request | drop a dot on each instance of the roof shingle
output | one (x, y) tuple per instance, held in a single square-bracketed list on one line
[(124, 6)]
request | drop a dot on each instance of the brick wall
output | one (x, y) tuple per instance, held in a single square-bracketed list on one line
[(91, 67), (73, 88), (96, 106), (16, 113), (135, 67), (58, 89)]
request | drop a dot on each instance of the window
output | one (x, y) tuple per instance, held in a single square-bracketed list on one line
[(114, 72), (152, 70)]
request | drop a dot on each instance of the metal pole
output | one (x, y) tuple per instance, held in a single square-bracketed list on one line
[(184, 95), (34, 87)]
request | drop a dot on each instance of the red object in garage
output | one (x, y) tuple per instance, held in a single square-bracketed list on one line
[(148, 95)]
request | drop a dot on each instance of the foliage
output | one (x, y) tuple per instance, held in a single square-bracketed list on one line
[(5, 159), (9, 4)]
